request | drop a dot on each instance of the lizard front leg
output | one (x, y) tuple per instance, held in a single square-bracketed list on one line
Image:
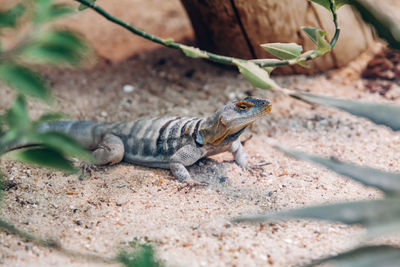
[(109, 151), (238, 153), (185, 156)]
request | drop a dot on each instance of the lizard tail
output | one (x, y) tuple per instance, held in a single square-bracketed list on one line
[(87, 133)]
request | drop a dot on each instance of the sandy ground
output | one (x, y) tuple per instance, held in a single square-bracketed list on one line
[(127, 203)]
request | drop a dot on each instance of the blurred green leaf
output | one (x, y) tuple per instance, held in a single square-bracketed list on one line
[(386, 114), (256, 75), (9, 18), (23, 80), (59, 10), (83, 7), (193, 51), (17, 116), (385, 181), (45, 11), (318, 37), (373, 214), (57, 46), (61, 143), (143, 256), (45, 157), (386, 27), (51, 117), (283, 50), (41, 11), (370, 256)]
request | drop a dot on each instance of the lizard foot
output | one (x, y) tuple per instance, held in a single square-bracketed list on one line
[(87, 169), (191, 184), (256, 167)]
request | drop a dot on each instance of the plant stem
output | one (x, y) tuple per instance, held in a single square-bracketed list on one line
[(337, 30), (211, 56)]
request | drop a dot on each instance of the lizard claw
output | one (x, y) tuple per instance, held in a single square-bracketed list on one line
[(190, 184), (87, 169)]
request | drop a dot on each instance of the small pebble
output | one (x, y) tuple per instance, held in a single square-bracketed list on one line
[(232, 95), (222, 179), (128, 88), (103, 114), (119, 203)]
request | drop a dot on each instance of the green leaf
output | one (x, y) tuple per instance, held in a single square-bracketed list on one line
[(51, 117), (324, 3), (45, 157), (41, 12), (385, 181), (24, 80), (256, 75), (318, 37), (340, 3), (369, 256), (57, 46), (386, 27), (193, 51), (386, 114), (373, 214), (9, 18), (61, 143), (83, 7), (17, 116), (168, 41), (59, 10), (283, 50), (143, 256), (45, 11)]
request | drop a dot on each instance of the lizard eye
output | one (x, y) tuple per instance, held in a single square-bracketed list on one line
[(243, 106)]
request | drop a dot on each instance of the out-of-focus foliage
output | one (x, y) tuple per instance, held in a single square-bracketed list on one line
[(386, 27), (142, 256), (41, 45)]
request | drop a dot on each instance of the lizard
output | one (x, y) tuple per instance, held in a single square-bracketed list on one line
[(167, 142)]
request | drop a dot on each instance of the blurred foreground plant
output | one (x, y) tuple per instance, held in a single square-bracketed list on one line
[(381, 218), (41, 45)]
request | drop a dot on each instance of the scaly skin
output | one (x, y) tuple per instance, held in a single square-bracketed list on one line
[(168, 142)]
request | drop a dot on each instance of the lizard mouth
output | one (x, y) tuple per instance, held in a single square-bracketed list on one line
[(267, 109)]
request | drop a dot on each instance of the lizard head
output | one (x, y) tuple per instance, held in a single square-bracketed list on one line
[(232, 119)]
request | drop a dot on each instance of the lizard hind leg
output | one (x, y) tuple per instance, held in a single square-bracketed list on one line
[(109, 151)]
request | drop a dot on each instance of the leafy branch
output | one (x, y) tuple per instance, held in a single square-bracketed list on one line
[(317, 34), (379, 217)]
